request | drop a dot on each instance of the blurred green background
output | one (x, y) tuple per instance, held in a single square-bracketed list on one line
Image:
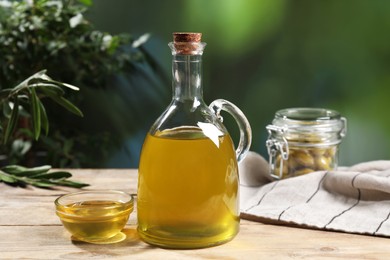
[(262, 55), (266, 55)]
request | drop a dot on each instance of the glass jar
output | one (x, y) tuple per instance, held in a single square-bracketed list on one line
[(303, 140)]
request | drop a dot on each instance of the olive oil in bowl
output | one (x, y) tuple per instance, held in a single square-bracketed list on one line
[(94, 215)]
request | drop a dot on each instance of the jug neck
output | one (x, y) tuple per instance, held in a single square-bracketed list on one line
[(187, 50), (187, 77)]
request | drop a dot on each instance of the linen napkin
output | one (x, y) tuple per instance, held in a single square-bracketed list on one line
[(350, 199)]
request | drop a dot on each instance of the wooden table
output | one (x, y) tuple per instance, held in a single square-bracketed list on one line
[(29, 228)]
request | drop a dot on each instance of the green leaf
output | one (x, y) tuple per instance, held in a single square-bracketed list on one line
[(36, 113), (67, 105), (13, 169), (70, 86), (24, 83), (48, 80), (12, 121), (6, 178), (23, 171), (52, 175), (52, 92), (37, 176), (43, 184), (73, 184), (44, 119), (49, 83), (50, 87)]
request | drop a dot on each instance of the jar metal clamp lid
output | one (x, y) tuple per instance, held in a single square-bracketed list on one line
[(304, 128)]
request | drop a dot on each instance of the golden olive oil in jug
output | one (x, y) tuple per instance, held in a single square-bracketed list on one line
[(188, 174)]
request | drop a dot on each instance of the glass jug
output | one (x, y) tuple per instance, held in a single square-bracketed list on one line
[(188, 175)]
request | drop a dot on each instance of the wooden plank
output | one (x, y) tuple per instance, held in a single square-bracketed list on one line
[(253, 242), (30, 229), (34, 206)]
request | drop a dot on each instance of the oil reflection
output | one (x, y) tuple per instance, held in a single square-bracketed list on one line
[(127, 235)]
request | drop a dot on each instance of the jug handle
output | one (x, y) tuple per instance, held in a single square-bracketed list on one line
[(243, 124)]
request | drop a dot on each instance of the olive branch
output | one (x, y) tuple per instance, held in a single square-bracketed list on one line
[(25, 99), (37, 176)]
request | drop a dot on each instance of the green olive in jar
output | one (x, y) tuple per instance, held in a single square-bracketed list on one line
[(323, 163), (318, 152), (331, 151), (301, 158)]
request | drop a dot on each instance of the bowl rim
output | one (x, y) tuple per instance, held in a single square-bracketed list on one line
[(127, 203)]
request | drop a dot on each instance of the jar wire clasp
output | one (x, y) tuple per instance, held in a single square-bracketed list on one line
[(275, 146), (344, 129)]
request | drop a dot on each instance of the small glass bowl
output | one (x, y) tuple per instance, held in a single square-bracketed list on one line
[(94, 215)]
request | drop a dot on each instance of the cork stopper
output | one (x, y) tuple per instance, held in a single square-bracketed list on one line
[(187, 43), (186, 37)]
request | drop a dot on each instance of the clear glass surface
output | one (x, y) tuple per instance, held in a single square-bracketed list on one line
[(188, 174), (94, 215), (303, 140)]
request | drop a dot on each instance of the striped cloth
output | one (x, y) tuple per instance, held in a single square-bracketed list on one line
[(354, 199)]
